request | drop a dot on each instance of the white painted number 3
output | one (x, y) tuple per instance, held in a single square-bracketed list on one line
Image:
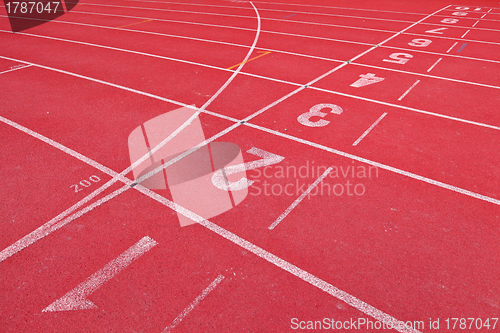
[(315, 111)]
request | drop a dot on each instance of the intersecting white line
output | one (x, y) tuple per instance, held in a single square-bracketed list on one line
[(265, 49), (271, 10), (238, 16), (379, 165), (299, 199), (452, 47), (285, 11), (271, 258), (386, 167), (375, 313), (281, 3), (434, 65), (270, 50), (193, 304), (369, 129), (288, 22), (409, 89), (60, 220)]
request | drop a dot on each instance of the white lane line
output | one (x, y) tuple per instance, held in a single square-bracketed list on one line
[(409, 89), (285, 265), (292, 83), (452, 47), (56, 223), (301, 87), (15, 69), (299, 199), (301, 274), (426, 75), (48, 227), (116, 49), (295, 22), (264, 109), (76, 299), (238, 28), (240, 16), (410, 109), (284, 52), (269, 18), (304, 275), (465, 34), (475, 23), (369, 129), (484, 15), (309, 84), (191, 306), (278, 10), (380, 165), (224, 69), (273, 50), (430, 69)]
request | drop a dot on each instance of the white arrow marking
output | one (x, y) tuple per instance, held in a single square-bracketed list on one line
[(76, 299)]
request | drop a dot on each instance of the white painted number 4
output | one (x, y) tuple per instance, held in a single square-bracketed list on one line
[(367, 79)]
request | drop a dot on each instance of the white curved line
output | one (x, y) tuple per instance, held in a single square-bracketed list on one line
[(200, 110), (53, 224)]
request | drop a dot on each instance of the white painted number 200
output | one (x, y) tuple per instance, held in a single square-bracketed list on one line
[(85, 183), (399, 58)]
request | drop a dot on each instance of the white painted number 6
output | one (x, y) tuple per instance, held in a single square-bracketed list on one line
[(399, 58), (315, 111), (420, 42)]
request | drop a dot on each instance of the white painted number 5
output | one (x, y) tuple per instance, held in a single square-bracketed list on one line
[(315, 111)]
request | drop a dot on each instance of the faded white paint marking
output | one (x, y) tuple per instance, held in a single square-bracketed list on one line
[(15, 69), (191, 306), (76, 299), (369, 129), (465, 34), (56, 222), (299, 199), (430, 69), (452, 47), (406, 92)]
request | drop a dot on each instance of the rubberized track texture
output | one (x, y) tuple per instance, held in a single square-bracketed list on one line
[(249, 166)]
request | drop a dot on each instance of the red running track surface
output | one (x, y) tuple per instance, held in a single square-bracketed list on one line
[(375, 203)]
